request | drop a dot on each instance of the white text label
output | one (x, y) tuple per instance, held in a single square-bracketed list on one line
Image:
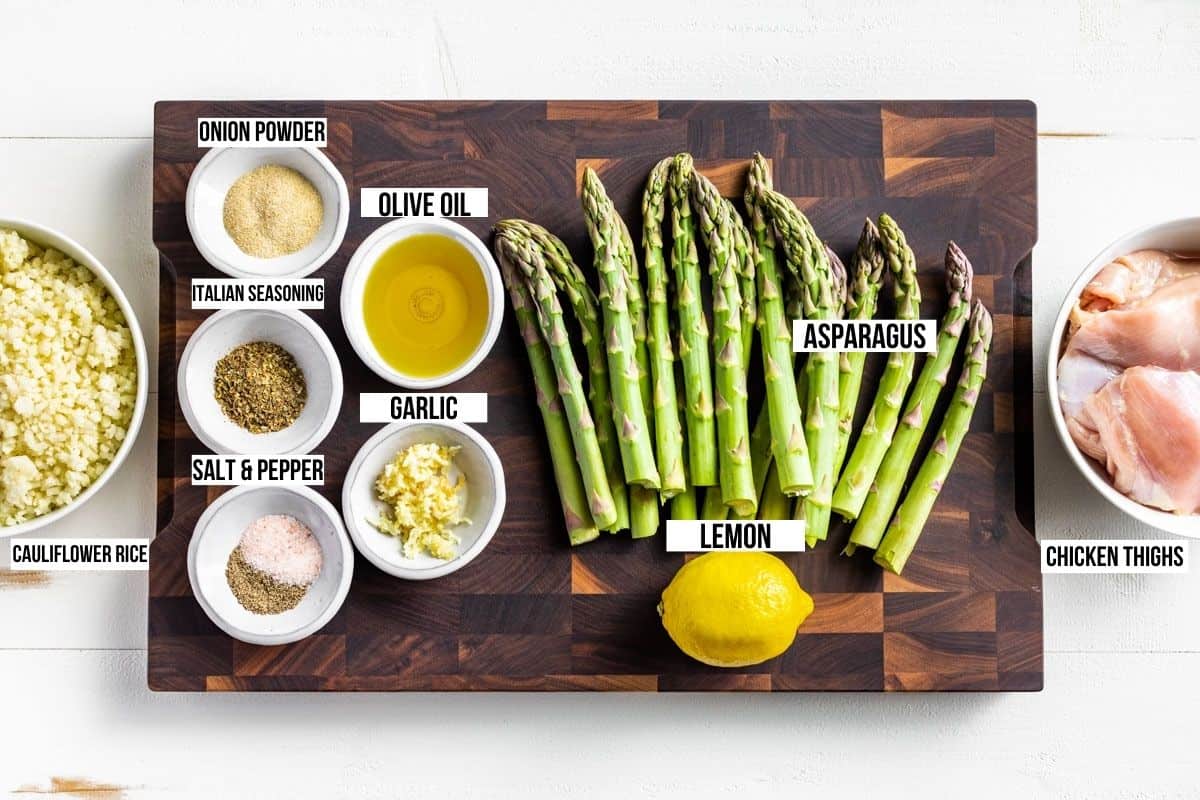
[(423, 202), (262, 131), (1114, 555), (421, 407), (864, 336), (695, 536), (237, 470), (212, 294), (78, 555)]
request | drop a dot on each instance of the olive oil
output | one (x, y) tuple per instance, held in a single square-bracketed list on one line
[(425, 305)]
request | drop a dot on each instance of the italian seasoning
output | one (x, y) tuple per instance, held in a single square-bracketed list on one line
[(260, 387)]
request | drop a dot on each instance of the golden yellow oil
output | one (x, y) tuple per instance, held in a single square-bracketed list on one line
[(425, 305)]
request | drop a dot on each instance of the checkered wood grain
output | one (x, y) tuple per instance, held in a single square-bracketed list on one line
[(531, 613)]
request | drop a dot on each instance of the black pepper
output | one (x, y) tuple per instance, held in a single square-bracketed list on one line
[(258, 592)]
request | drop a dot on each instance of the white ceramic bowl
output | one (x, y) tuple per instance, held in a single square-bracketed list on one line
[(218, 532), (205, 207), (295, 332), (354, 284), (48, 237), (483, 499), (1179, 234)]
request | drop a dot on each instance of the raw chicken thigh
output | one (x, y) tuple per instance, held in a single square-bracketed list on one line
[(1130, 278), (1147, 425), (1129, 378)]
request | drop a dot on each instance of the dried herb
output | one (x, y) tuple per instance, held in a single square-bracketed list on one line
[(260, 387)]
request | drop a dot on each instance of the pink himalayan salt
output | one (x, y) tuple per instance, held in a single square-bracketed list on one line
[(284, 548)]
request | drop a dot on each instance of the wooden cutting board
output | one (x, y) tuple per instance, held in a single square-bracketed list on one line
[(533, 614)]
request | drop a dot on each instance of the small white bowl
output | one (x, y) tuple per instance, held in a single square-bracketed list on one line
[(48, 237), (292, 330), (205, 206), (218, 532), (355, 280), (484, 498), (1180, 235)]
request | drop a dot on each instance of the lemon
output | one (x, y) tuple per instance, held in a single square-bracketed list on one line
[(734, 609)]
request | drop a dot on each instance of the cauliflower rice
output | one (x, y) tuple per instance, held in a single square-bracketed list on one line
[(68, 379)]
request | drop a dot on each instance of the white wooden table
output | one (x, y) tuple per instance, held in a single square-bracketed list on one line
[(1115, 86)]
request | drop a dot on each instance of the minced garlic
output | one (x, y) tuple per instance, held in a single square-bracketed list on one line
[(423, 502)]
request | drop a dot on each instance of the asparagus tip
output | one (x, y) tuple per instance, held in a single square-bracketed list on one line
[(959, 273), (981, 320)]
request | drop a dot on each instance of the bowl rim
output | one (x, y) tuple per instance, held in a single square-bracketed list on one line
[(1183, 525), (462, 559), (232, 270), (351, 307), (45, 236), (323, 344), (318, 622)]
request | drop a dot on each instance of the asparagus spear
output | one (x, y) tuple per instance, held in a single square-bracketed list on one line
[(733, 427), (683, 505), (861, 303), (782, 410), (889, 481), (807, 257), (746, 269), (839, 282), (760, 449), (576, 514), (773, 503), (910, 518), (570, 280), (644, 501), (760, 454), (668, 431), (876, 435), (714, 506), (637, 313), (629, 414), (824, 374), (527, 259), (693, 329), (644, 514)]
